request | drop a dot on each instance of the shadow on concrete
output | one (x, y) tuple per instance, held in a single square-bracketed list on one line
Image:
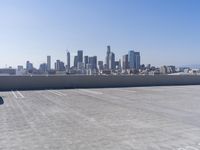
[(1, 101)]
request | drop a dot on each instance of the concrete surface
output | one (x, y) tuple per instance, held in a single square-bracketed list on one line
[(139, 118), (93, 81)]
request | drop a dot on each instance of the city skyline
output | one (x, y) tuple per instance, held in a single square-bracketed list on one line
[(72, 54), (68, 57), (108, 63), (165, 32)]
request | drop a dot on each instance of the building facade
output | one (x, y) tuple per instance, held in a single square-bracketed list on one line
[(86, 60), (80, 56), (48, 63), (111, 61), (59, 66), (68, 61), (137, 60), (134, 60), (125, 62), (107, 64)]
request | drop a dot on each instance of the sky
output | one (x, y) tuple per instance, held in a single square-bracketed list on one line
[(165, 32)]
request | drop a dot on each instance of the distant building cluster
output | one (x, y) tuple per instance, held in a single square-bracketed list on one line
[(129, 64), (87, 65)]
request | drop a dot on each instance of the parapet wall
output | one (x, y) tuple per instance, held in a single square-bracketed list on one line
[(76, 81)]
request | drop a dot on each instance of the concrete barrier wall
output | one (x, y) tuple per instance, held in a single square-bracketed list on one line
[(61, 82)]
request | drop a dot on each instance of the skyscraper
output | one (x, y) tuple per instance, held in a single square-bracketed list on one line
[(134, 60), (43, 67), (86, 60), (68, 60), (125, 62), (137, 60), (111, 61), (120, 64), (107, 56), (59, 66), (29, 66), (131, 59), (100, 65), (75, 61), (80, 56), (93, 62), (48, 63)]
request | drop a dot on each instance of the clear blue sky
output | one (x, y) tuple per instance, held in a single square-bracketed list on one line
[(164, 31)]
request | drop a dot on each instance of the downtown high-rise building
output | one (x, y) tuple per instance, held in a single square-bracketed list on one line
[(68, 60), (119, 64), (107, 57), (134, 59), (125, 62), (111, 61), (131, 60), (75, 61), (48, 63), (29, 66), (59, 65), (93, 62), (80, 56), (43, 68), (86, 60), (137, 60), (100, 65)]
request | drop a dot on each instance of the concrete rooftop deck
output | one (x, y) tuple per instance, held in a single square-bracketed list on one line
[(138, 118)]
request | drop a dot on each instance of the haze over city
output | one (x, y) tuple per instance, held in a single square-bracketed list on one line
[(165, 32)]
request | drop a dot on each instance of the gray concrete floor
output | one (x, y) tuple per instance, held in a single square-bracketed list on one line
[(138, 118)]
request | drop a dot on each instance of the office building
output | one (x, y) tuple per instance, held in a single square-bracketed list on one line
[(68, 61), (163, 69), (86, 60), (75, 61), (59, 65), (137, 60), (125, 62), (131, 59), (43, 68), (81, 68), (120, 64), (134, 60), (29, 66), (111, 61), (107, 57), (48, 63), (20, 68), (93, 62), (80, 56), (100, 65)]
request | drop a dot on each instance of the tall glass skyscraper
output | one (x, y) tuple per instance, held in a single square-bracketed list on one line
[(107, 56), (86, 60), (137, 60), (75, 61), (125, 62), (80, 56), (134, 59), (111, 61), (68, 60), (131, 58), (48, 63), (93, 62)]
